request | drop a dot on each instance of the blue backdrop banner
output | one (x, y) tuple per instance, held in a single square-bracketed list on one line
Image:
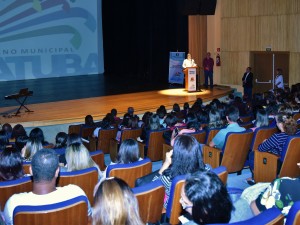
[(176, 75)]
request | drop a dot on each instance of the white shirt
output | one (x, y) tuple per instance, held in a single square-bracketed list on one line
[(29, 198), (188, 63), (279, 79)]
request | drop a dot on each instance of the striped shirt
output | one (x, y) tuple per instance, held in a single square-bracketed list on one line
[(274, 144)]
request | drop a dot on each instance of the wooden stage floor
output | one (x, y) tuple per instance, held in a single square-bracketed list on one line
[(74, 111)]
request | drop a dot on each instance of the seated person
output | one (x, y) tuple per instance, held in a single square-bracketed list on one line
[(232, 115), (115, 204), (185, 158), (205, 198), (45, 170), (60, 143)]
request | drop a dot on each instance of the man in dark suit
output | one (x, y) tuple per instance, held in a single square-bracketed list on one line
[(248, 83)]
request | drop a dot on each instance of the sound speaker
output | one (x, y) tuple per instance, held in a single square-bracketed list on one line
[(197, 7)]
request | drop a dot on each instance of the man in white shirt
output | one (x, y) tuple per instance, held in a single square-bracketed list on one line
[(279, 79), (189, 62), (44, 169)]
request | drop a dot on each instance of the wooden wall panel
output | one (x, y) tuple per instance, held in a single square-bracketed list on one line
[(236, 63), (253, 25)]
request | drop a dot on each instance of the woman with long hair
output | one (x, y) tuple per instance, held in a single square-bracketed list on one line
[(128, 152), (78, 157), (186, 157), (115, 204), (31, 147)]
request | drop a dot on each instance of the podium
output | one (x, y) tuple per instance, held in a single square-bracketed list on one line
[(190, 79)]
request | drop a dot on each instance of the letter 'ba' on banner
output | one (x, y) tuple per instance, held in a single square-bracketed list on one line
[(175, 67)]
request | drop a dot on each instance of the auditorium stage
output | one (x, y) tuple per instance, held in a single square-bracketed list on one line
[(145, 98)]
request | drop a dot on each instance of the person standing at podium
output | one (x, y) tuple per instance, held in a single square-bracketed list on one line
[(189, 62)]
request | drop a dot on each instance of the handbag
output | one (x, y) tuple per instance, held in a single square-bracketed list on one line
[(146, 179)]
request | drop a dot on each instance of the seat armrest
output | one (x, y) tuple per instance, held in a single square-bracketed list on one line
[(211, 156), (265, 166), (142, 149)]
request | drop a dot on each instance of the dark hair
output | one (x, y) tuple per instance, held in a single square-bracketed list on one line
[(89, 121), (215, 120), (186, 158), (74, 139), (37, 135), (170, 120), (176, 107), (18, 130), (261, 118), (61, 140), (128, 152), (233, 113), (44, 165), (211, 201), (114, 112), (289, 124), (7, 129), (21, 142), (11, 164), (3, 140)]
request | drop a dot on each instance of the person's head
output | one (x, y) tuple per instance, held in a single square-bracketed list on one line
[(215, 120), (21, 142), (262, 118), (44, 166), (31, 148), (232, 114), (128, 152), (73, 139), (248, 69), (206, 198), (37, 135), (154, 123), (161, 113), (7, 128), (189, 56), (286, 123), (279, 71), (130, 111), (133, 122), (89, 120), (176, 107), (187, 156), (170, 120), (114, 112), (208, 55), (186, 106), (78, 157), (18, 130), (61, 140), (115, 204), (11, 164)]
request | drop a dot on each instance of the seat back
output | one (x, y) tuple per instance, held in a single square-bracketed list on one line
[(131, 133), (26, 166), (261, 134), (235, 150), (151, 199), (104, 137), (71, 212), (86, 179), (174, 208), (130, 172), (210, 134), (290, 156), (270, 216), (296, 116), (87, 131), (293, 218), (74, 129), (98, 158), (155, 145), (200, 136), (8, 188)]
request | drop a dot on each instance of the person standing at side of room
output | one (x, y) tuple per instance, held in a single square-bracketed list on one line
[(248, 83), (278, 82), (208, 66)]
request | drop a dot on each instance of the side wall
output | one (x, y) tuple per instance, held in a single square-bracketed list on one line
[(241, 26)]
